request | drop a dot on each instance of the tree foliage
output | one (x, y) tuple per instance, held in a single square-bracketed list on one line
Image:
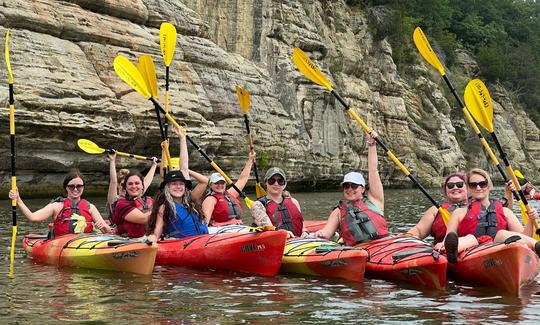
[(504, 35)]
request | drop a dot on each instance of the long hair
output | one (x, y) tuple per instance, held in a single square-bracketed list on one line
[(125, 180), (165, 199)]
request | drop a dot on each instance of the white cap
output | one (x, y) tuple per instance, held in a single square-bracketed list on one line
[(216, 177), (355, 178)]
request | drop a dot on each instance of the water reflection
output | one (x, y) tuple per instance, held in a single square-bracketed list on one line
[(184, 296)]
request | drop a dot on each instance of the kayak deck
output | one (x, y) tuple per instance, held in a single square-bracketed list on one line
[(102, 252)]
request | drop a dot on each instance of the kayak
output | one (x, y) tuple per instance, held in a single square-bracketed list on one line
[(504, 266), (250, 252), (315, 256), (101, 252), (320, 257), (408, 259), (314, 225)]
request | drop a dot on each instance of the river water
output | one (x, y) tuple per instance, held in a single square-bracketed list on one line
[(171, 295)]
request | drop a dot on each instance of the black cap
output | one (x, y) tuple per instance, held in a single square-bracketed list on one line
[(175, 175)]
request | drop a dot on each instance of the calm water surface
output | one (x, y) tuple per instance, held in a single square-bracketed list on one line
[(45, 294)]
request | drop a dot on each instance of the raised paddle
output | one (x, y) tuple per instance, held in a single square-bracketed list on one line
[(244, 101), (93, 149), (310, 70), (423, 46), (146, 67), (480, 105), (12, 140), (130, 75), (167, 42)]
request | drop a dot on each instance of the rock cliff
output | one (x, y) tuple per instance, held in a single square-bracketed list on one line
[(66, 88)]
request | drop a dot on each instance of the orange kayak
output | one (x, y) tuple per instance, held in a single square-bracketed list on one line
[(499, 265), (407, 259), (324, 258), (314, 225), (102, 252)]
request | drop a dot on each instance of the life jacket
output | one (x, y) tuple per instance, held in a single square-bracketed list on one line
[(360, 223), (74, 218), (480, 221), (122, 208), (185, 223), (226, 211), (284, 215), (438, 228)]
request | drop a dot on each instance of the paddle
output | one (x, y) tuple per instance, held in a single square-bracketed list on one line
[(12, 140), (93, 149), (146, 67), (310, 70), (167, 42), (423, 46), (244, 100), (479, 103), (130, 75)]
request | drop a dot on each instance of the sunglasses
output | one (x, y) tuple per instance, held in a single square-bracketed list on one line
[(350, 185), (451, 185), (272, 181), (75, 187), (482, 184)]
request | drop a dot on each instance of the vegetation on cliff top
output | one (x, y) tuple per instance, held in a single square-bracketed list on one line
[(503, 35)]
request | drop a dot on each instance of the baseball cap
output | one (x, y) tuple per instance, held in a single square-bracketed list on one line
[(216, 177), (274, 171), (355, 178)]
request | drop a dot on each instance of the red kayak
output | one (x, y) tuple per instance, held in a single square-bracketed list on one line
[(408, 259), (499, 265), (252, 252), (314, 225)]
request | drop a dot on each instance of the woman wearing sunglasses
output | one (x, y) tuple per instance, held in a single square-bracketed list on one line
[(278, 208), (71, 214), (455, 196), (221, 206), (359, 217), (485, 219)]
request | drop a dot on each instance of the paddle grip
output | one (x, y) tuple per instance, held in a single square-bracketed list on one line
[(453, 90)]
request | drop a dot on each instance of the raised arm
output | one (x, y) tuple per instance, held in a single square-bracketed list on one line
[(48, 211), (376, 192), (150, 175), (184, 157), (113, 179), (244, 175), (202, 183)]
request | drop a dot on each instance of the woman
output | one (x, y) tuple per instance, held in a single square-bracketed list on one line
[(278, 208), (221, 207), (360, 217), (485, 219), (132, 210), (71, 214), (175, 213), (116, 190), (455, 192)]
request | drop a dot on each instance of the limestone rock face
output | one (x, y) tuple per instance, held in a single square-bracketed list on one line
[(66, 89)]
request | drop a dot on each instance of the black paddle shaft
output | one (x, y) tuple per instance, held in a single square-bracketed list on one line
[(242, 194), (388, 152), (166, 124), (255, 171), (12, 141)]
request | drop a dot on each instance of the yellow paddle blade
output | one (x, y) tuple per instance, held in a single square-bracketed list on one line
[(167, 41), (259, 190), (243, 99), (518, 174), (89, 147), (249, 202), (445, 215), (130, 75), (146, 67), (175, 162), (8, 63), (423, 46), (478, 102), (309, 69)]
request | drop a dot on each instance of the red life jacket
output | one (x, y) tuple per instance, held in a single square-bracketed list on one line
[(480, 221), (359, 224), (438, 228), (284, 215), (123, 208), (227, 210), (63, 224)]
